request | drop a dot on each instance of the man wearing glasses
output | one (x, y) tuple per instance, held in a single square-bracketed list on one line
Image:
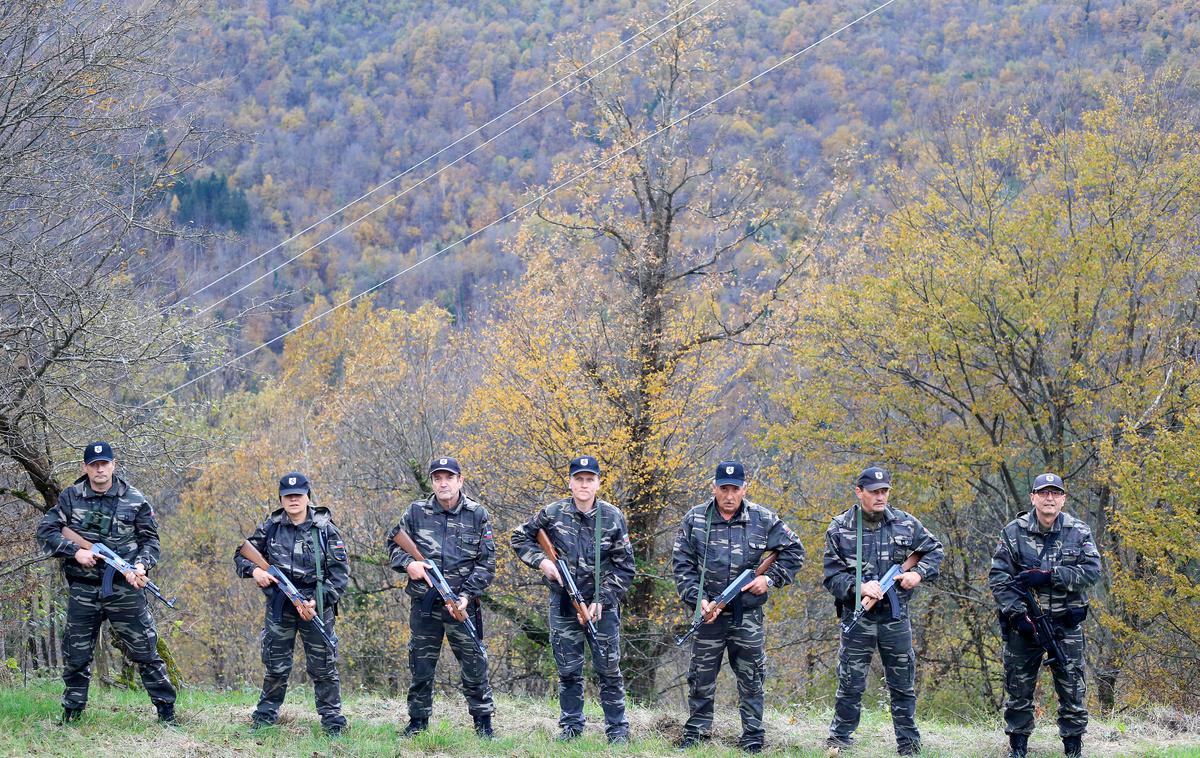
[(1054, 555)]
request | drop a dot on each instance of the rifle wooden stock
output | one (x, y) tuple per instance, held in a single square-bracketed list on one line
[(250, 553), (548, 548), (909, 563), (407, 545), (76, 537), (763, 567)]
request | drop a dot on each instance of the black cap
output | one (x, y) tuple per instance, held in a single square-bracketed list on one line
[(730, 472), (444, 464), (584, 464), (294, 483), (873, 478), (1047, 481), (97, 451)]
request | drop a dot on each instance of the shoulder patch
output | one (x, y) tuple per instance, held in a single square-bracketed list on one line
[(338, 548)]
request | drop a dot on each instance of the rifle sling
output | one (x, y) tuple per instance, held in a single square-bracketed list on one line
[(314, 534), (708, 516)]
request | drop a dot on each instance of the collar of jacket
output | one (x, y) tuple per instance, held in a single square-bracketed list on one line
[(433, 507), (1030, 523), (742, 515), (318, 514), (847, 518), (83, 489), (570, 507)]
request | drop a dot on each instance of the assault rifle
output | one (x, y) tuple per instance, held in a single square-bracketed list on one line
[(1044, 632), (568, 585), (728, 594), (115, 563), (250, 553), (886, 583), (437, 581)]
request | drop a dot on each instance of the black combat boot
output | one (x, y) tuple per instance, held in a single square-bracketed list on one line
[(1073, 747), (569, 733), (70, 714), (415, 727), (1018, 745), (166, 714), (483, 726), (688, 741)]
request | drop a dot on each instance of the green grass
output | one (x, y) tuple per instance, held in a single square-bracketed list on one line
[(120, 722)]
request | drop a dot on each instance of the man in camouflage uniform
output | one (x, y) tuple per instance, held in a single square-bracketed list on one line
[(1054, 555), (102, 507), (717, 540), (452, 531), (582, 530), (889, 536), (300, 540)]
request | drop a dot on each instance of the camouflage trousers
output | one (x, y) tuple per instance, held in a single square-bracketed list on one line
[(748, 659), (424, 648), (893, 638), (130, 619), (278, 640), (1022, 660), (567, 638)]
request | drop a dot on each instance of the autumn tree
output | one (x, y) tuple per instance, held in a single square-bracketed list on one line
[(1030, 304), (623, 336)]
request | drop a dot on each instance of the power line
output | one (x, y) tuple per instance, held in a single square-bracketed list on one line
[(465, 155), (427, 159), (600, 164)]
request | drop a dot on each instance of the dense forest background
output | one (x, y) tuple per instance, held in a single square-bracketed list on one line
[(957, 239)]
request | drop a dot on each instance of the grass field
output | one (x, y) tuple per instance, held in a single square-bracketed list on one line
[(119, 723)]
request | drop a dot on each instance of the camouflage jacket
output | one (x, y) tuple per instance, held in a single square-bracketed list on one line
[(732, 547), (1067, 550), (290, 548), (888, 544), (458, 540), (573, 535), (120, 518)]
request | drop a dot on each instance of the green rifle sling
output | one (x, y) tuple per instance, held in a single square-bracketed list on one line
[(704, 562), (858, 557), (319, 558), (599, 518)]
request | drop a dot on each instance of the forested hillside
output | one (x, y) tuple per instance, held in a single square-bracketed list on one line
[(957, 239), (342, 96)]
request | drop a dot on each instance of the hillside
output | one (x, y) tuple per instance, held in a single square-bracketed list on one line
[(215, 724), (337, 97)]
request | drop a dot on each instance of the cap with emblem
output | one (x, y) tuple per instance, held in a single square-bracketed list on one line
[(1048, 481), (444, 464), (97, 451), (730, 472), (294, 483), (585, 464), (873, 478)]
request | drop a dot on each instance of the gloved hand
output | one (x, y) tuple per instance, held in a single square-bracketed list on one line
[(1024, 625), (1034, 578)]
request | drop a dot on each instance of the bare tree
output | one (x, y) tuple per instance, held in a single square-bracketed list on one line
[(93, 132)]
